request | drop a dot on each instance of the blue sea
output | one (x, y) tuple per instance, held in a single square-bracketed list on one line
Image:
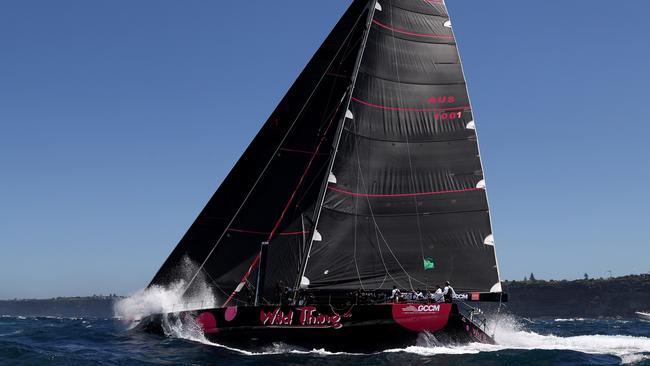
[(89, 341)]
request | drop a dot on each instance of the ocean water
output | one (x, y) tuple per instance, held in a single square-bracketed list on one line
[(85, 341)]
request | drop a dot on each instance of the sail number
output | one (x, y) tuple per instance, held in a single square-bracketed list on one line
[(447, 116)]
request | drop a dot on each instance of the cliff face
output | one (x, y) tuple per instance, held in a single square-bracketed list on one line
[(620, 296)]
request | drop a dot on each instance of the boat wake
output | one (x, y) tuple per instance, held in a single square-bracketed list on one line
[(509, 334)]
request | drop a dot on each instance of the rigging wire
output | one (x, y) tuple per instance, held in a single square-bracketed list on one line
[(355, 73), (406, 134), (379, 232), (478, 145), (322, 77)]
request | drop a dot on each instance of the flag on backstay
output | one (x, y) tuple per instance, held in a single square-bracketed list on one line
[(428, 263)]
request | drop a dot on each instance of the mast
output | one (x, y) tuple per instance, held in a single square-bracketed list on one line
[(339, 131), (261, 273)]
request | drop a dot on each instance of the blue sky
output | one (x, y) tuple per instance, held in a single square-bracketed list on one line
[(119, 119)]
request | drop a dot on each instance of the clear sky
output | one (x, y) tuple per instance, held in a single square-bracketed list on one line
[(119, 119)]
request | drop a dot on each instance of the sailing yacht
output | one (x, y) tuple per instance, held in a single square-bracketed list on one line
[(366, 178)]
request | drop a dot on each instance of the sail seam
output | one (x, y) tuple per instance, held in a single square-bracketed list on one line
[(402, 31), (371, 14), (414, 194), (428, 213), (470, 138), (445, 15), (375, 76)]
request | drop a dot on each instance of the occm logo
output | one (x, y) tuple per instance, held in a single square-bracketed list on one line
[(429, 308)]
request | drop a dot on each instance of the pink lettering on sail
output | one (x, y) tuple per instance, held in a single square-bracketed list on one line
[(442, 99)]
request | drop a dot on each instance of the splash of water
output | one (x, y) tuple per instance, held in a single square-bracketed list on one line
[(510, 333), (172, 298)]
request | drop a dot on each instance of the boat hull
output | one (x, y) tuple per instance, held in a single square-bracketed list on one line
[(358, 328)]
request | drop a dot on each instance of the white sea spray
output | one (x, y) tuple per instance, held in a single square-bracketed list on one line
[(171, 298)]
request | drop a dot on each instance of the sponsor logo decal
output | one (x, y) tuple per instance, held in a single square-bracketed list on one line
[(424, 308), (429, 308), (305, 316), (461, 296)]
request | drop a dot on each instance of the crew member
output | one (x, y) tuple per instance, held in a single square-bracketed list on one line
[(395, 294), (418, 295), (437, 295), (448, 292)]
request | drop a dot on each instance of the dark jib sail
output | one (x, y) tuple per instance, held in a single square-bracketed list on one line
[(366, 176), (270, 193)]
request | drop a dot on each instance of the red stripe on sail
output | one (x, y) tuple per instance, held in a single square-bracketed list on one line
[(429, 35), (410, 109)]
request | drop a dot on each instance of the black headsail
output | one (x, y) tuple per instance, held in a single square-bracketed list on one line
[(367, 175), (408, 206), (270, 194)]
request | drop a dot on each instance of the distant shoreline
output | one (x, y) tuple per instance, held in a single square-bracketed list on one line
[(587, 298), (69, 298)]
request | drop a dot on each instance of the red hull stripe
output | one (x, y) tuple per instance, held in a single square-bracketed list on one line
[(402, 194), (411, 109), (429, 35)]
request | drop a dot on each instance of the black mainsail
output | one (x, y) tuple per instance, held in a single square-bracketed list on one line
[(366, 176)]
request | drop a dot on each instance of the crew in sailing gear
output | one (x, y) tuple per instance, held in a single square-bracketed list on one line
[(448, 292), (395, 294), (417, 295), (437, 296)]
